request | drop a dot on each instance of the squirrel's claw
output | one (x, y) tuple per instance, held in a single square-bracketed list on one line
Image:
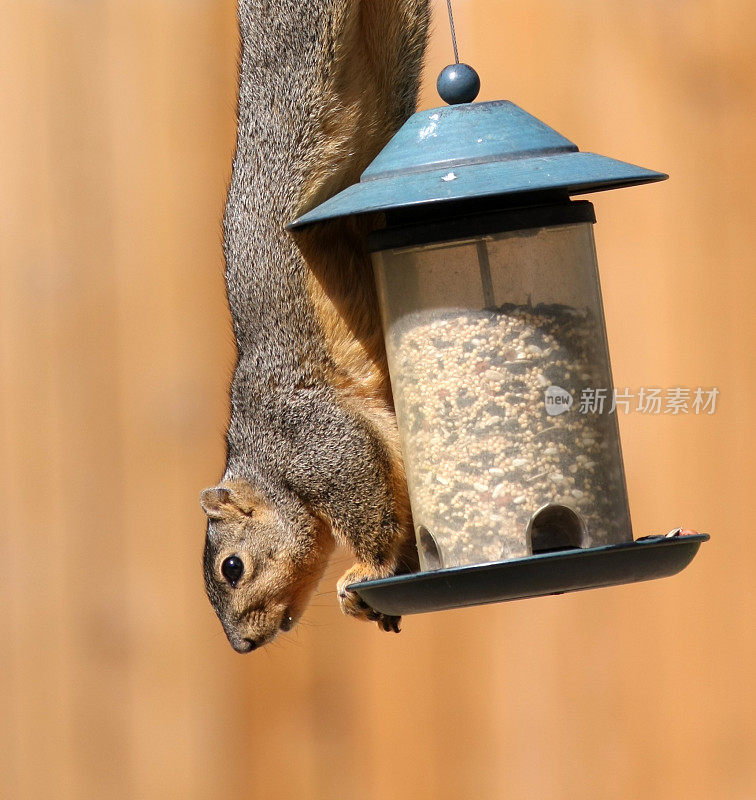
[(354, 606), (390, 623), (385, 622)]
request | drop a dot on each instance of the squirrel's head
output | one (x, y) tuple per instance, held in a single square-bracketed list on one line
[(262, 561)]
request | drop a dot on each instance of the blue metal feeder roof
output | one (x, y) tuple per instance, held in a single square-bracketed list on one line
[(474, 150)]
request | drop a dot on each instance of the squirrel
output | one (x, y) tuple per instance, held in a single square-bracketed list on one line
[(312, 452)]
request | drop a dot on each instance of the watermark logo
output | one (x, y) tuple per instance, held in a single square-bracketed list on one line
[(674, 400), (557, 401)]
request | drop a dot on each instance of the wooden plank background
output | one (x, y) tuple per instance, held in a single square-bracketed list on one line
[(116, 134)]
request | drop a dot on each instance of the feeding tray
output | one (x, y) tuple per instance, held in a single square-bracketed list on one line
[(534, 576)]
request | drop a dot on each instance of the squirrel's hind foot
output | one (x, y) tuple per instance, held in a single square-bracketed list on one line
[(354, 606)]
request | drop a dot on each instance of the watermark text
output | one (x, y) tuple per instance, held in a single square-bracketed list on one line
[(674, 400)]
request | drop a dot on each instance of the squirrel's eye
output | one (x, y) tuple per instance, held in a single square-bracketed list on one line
[(232, 569)]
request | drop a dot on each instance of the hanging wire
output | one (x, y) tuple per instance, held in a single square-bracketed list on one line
[(454, 35)]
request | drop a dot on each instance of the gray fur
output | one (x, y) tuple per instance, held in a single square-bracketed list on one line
[(291, 436)]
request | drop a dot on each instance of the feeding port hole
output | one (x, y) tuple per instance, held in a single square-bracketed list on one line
[(555, 527), (428, 548)]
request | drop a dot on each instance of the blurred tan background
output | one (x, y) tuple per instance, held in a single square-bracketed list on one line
[(116, 136)]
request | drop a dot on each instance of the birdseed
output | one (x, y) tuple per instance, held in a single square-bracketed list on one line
[(481, 452)]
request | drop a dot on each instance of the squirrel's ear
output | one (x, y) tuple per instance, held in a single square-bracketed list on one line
[(222, 501), (216, 502)]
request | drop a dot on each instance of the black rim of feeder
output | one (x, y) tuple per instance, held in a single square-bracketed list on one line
[(534, 576)]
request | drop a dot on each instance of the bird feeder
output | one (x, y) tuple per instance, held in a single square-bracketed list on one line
[(494, 327)]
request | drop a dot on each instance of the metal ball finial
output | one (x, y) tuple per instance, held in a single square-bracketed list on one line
[(458, 83)]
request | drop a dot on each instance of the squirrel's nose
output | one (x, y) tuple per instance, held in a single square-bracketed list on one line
[(244, 645)]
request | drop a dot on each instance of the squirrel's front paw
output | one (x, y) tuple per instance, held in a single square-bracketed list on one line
[(353, 606)]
